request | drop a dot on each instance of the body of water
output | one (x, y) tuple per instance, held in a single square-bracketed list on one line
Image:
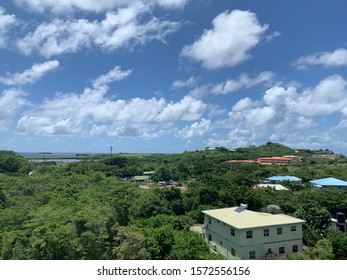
[(57, 157)]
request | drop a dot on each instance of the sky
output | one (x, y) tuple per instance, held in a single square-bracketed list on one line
[(168, 76)]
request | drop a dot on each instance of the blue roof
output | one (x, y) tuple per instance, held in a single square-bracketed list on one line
[(329, 182), (284, 178)]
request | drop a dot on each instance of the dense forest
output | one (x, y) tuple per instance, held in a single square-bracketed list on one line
[(92, 209)]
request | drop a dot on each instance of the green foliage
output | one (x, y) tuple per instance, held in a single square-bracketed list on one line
[(84, 210), (323, 250), (129, 244), (339, 244), (148, 204), (317, 222), (188, 246), (11, 163)]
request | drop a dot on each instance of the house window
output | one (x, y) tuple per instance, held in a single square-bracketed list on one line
[(233, 252), (220, 243), (249, 234), (251, 255), (279, 231), (295, 248), (281, 250), (210, 237), (218, 221), (209, 220), (293, 228), (232, 231), (266, 232)]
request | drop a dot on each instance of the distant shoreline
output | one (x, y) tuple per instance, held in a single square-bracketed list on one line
[(49, 156)]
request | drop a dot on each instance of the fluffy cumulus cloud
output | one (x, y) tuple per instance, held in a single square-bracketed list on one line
[(187, 109), (337, 57), (228, 42), (11, 100), (92, 113), (195, 130), (6, 22), (63, 6), (329, 96), (285, 114), (31, 75), (125, 27)]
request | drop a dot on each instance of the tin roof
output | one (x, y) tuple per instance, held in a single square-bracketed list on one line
[(250, 219), (330, 181), (284, 178)]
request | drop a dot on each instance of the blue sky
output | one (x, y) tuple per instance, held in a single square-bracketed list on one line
[(168, 76)]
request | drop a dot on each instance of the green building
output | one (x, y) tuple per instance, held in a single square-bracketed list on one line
[(238, 233)]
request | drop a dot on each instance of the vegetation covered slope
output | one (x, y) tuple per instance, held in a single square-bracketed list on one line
[(87, 210)]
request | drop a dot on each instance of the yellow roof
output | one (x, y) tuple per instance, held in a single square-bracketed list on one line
[(250, 219)]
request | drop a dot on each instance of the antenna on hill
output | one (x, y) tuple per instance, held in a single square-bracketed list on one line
[(111, 150)]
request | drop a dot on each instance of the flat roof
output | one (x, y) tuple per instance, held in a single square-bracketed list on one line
[(277, 187), (250, 219)]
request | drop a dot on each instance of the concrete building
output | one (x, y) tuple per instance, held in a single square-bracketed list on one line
[(267, 160), (238, 233), (275, 160)]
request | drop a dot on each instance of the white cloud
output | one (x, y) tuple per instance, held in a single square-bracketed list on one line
[(134, 130), (329, 96), (6, 22), (287, 115), (195, 130), (187, 109), (66, 6), (244, 80), (124, 28), (229, 41), (304, 122), (31, 75), (116, 74), (273, 35), (11, 100), (243, 104), (215, 110), (234, 139), (172, 3), (337, 57), (177, 84), (92, 113), (228, 86), (200, 91), (342, 124)]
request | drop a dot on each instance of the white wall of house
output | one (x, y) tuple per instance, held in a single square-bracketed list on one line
[(234, 244)]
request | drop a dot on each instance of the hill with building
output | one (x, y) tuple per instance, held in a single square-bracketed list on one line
[(122, 206)]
